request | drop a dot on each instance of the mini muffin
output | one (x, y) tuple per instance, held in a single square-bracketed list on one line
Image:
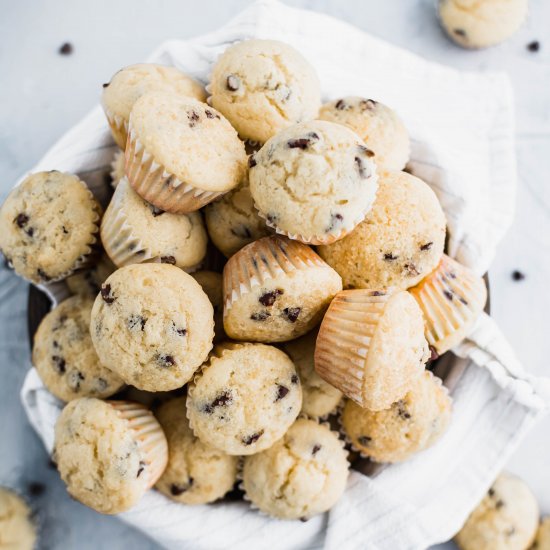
[(153, 325), (275, 290), (130, 83), (245, 398), (212, 284), (376, 124), (48, 226), (542, 542), (196, 473), (17, 530), (64, 355), (410, 425), (451, 299), (399, 243), (506, 519), (233, 222), (108, 452), (475, 24), (134, 231), (88, 283), (371, 346), (300, 476), (117, 168), (181, 153), (313, 182), (264, 86), (319, 397)]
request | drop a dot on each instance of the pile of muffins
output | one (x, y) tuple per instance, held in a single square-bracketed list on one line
[(335, 295)]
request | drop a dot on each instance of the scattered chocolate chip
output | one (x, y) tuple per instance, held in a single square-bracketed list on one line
[(155, 211), (21, 220), (251, 161), (65, 230), (268, 298), (533, 46), (499, 504), (491, 492), (377, 293), (282, 392), (135, 321), (364, 440), (292, 313), (66, 49), (402, 412), (361, 168), (224, 399), (36, 489), (260, 316), (210, 114), (462, 300), (367, 104), (106, 84), (303, 520), (43, 275), (193, 118), (459, 32), (433, 353), (177, 489), (411, 270), (294, 379), (248, 440), (233, 83), (448, 294), (55, 344), (335, 221), (272, 218), (518, 275), (302, 143), (165, 361), (106, 294), (426, 246), (75, 378), (141, 468), (389, 257), (30, 231), (168, 260), (340, 105), (59, 364), (179, 331), (241, 231), (316, 449)]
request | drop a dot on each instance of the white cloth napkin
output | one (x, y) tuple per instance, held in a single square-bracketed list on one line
[(463, 145)]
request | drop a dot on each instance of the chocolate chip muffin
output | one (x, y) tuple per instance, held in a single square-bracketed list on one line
[(301, 475), (130, 83), (371, 346), (319, 397), (17, 530), (153, 325), (474, 24), (245, 398), (275, 290), (264, 86), (233, 222), (376, 124), (212, 284), (48, 226), (108, 452), (410, 425), (87, 283), (181, 153), (314, 181), (506, 518), (196, 473), (399, 243), (64, 355), (134, 231)]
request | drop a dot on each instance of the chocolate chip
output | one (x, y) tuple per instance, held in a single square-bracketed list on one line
[(411, 270), (43, 275), (21, 220), (106, 294), (448, 294), (242, 232), (168, 260), (304, 520), (177, 489), (402, 411), (233, 83), (223, 399), (426, 246), (36, 489), (248, 440), (460, 32), (462, 300), (366, 151), (335, 221), (340, 105), (251, 161), (260, 316), (165, 361), (59, 364), (65, 230), (141, 468), (66, 49), (210, 114), (499, 504), (433, 353), (135, 321), (193, 118), (179, 331), (518, 275), (533, 46), (377, 293), (302, 143), (292, 313), (316, 449), (106, 84), (268, 298), (30, 231), (491, 492), (155, 211), (510, 531), (294, 379), (282, 392), (272, 218), (367, 104), (55, 344), (75, 378), (389, 257), (364, 440)]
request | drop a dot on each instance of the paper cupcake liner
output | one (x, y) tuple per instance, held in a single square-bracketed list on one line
[(119, 127), (156, 185), (149, 437), (262, 260), (344, 339), (451, 299), (118, 167)]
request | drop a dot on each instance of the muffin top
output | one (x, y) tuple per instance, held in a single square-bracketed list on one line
[(47, 224), (264, 86), (301, 475), (376, 124), (17, 531), (190, 139), (196, 473), (400, 241), (64, 355), (245, 398), (153, 325), (314, 181)]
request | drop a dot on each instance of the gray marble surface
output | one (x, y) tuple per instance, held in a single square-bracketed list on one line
[(43, 93)]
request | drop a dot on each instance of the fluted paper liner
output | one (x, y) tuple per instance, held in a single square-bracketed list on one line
[(262, 260), (148, 435), (451, 299), (156, 185), (119, 127)]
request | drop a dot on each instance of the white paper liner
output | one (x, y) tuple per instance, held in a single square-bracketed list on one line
[(119, 127)]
